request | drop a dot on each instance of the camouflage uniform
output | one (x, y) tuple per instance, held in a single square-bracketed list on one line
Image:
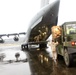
[(53, 48)]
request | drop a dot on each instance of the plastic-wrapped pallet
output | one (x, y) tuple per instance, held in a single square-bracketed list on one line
[(56, 31)]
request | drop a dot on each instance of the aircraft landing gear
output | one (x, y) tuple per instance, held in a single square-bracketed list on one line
[(24, 47), (41, 46)]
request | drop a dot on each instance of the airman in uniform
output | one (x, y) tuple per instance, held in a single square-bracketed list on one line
[(53, 45), (56, 33)]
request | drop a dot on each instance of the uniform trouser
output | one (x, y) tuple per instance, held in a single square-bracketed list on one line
[(54, 55)]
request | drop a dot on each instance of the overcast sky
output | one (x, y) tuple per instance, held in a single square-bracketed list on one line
[(67, 11), (15, 15)]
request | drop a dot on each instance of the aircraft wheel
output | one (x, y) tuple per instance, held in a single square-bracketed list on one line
[(68, 58), (23, 47)]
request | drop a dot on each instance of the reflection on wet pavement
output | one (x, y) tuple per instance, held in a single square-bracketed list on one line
[(10, 65), (39, 62), (42, 64)]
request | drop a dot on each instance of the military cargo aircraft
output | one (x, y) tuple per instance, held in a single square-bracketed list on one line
[(40, 26), (12, 34)]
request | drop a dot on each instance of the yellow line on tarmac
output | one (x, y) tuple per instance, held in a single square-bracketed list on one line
[(14, 44)]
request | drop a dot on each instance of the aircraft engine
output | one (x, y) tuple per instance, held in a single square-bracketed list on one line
[(16, 38)]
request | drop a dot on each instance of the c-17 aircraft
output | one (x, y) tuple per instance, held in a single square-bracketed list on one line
[(12, 34), (40, 27)]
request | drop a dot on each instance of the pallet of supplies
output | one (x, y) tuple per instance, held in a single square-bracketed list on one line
[(56, 31)]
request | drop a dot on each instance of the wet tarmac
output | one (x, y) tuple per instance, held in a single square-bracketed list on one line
[(39, 62), (42, 64)]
